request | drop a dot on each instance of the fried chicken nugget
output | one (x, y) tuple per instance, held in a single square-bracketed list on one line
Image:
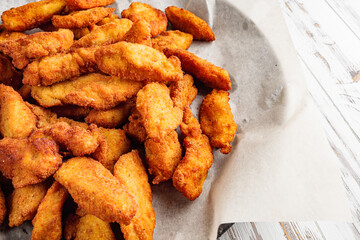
[(44, 117), (188, 22), (137, 62), (31, 15), (24, 202), (183, 92), (211, 75), (16, 119), (217, 120), (81, 19), (2, 207), (108, 19), (172, 39), (106, 34), (80, 32), (157, 110), (47, 221), (86, 4), (135, 127), (139, 33), (7, 36), (192, 170), (153, 16), (29, 160), (96, 190), (94, 90), (8, 74), (130, 171), (93, 228), (60, 67), (71, 111)]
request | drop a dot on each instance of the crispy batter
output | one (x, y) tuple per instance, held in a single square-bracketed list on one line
[(71, 111), (60, 67), (137, 62), (153, 16), (8, 74), (70, 226), (157, 110), (24, 202), (106, 34), (93, 228), (192, 170), (217, 120), (80, 32), (139, 33), (111, 118), (96, 190), (31, 15), (44, 117), (93, 90), (86, 4), (81, 19), (131, 172), (183, 92), (7, 36), (2, 207), (172, 39), (25, 92), (16, 119), (47, 221), (135, 127), (211, 75), (29, 160), (188, 22), (108, 19)]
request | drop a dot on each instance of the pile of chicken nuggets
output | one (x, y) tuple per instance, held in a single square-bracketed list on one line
[(89, 108)]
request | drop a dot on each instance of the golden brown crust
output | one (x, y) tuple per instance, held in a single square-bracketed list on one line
[(183, 92), (139, 33), (131, 172), (2, 207), (86, 4), (172, 39), (44, 117), (70, 226), (7, 36), (31, 15), (96, 190), (71, 111), (108, 19), (217, 120), (80, 32), (8, 74), (188, 22), (153, 16), (93, 228), (211, 75), (135, 127)]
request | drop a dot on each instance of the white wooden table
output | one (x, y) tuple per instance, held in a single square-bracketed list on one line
[(326, 35)]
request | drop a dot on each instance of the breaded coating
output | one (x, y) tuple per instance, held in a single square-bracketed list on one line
[(106, 34), (135, 127), (47, 221), (93, 90), (111, 118), (29, 160), (192, 170), (153, 16), (16, 119), (131, 172), (2, 207), (188, 22), (60, 67), (157, 110), (108, 19), (86, 4), (117, 145), (162, 156), (137, 62), (71, 111), (139, 33), (7, 36), (8, 74), (217, 120), (183, 92), (24, 202), (37, 45), (25, 92), (211, 75), (44, 117), (93, 228), (96, 190), (172, 39), (81, 19), (31, 15), (80, 32), (70, 226)]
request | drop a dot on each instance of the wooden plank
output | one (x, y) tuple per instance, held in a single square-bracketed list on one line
[(338, 231), (254, 231), (302, 230)]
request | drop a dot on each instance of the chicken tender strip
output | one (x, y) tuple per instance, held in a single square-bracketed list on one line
[(157, 110), (139, 33), (93, 228), (192, 170), (71, 111), (8, 74), (96, 190), (93, 90), (106, 34), (70, 226), (7, 36), (81, 19), (155, 17), (217, 120), (31, 15), (24, 202), (108, 19), (47, 222), (16, 119), (188, 22), (172, 39), (131, 172), (135, 127), (60, 67), (183, 92), (2, 207), (206, 72), (86, 4), (137, 62), (29, 160), (80, 32)]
